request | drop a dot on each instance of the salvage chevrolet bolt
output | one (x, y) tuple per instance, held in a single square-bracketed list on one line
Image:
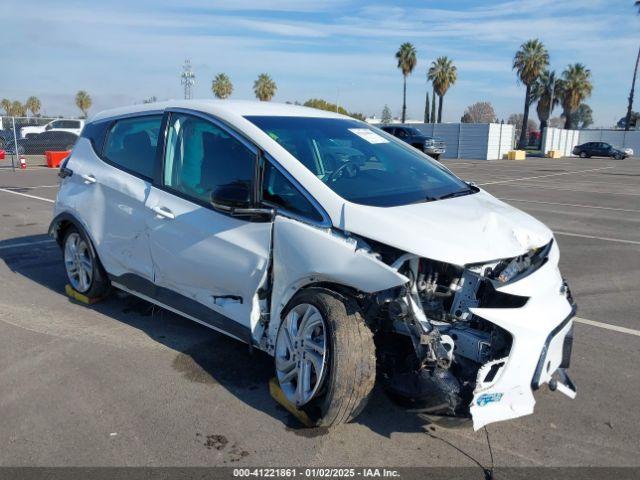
[(336, 248)]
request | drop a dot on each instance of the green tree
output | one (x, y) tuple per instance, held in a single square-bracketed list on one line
[(406, 56), (443, 74), (583, 118), (427, 117), (575, 87), (83, 102), (433, 105), (385, 119), (33, 105), (529, 62), (264, 87), (5, 103), (321, 104), (544, 91), (221, 86)]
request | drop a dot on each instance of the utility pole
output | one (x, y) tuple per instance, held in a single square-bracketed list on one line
[(633, 86), (188, 78)]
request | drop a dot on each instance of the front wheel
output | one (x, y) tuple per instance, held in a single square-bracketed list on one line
[(618, 156), (583, 154), (435, 156), (325, 357)]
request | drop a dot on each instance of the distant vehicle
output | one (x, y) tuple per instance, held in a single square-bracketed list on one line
[(600, 149), (6, 137), (38, 144), (414, 137), (60, 125)]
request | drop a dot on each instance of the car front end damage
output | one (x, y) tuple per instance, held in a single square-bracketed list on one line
[(474, 340)]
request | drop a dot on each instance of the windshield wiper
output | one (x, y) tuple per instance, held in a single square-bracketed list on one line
[(457, 194)]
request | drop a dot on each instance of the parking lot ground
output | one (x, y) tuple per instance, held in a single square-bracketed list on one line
[(124, 383)]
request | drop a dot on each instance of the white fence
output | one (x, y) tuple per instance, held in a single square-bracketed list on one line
[(565, 140), (481, 141)]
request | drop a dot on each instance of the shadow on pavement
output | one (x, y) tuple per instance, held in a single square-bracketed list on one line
[(202, 355)]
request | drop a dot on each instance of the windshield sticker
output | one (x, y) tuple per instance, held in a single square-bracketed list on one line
[(368, 135)]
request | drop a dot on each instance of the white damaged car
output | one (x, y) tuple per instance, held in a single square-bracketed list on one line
[(329, 244)]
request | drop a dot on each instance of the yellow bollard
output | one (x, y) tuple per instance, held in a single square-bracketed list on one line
[(75, 295), (278, 395)]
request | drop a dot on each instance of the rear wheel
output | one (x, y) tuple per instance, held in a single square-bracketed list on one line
[(325, 357), (83, 269)]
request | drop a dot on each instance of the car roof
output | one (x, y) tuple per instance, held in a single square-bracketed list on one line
[(223, 108)]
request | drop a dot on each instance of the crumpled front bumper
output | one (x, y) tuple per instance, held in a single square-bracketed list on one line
[(542, 333)]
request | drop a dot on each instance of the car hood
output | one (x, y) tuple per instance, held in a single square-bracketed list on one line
[(470, 229)]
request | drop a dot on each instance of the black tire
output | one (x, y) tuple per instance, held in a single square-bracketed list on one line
[(583, 155), (99, 284), (618, 157), (436, 156), (351, 368)]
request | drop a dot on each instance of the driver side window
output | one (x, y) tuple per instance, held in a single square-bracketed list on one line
[(200, 157), (278, 191)]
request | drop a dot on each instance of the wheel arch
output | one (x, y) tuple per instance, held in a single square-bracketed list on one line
[(61, 223)]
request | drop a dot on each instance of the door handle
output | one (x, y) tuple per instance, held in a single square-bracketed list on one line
[(88, 178), (163, 212)]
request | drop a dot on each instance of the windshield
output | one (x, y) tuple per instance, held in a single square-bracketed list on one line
[(360, 164), (413, 131)]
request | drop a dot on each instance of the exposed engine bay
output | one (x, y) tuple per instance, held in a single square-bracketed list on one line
[(433, 352)]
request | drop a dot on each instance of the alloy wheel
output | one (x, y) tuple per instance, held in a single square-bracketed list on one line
[(301, 353), (78, 262)]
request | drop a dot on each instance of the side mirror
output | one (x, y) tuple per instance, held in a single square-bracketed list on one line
[(235, 199)]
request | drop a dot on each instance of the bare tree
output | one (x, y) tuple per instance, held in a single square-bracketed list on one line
[(479, 112)]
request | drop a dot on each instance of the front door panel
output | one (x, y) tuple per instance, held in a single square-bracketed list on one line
[(216, 260)]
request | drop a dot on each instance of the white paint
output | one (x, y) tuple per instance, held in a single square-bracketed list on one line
[(594, 237), (468, 229), (608, 326), (546, 176), (7, 190), (25, 244)]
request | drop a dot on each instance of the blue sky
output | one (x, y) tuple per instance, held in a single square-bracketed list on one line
[(124, 51)]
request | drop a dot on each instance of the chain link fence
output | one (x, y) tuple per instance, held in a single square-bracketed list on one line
[(31, 138)]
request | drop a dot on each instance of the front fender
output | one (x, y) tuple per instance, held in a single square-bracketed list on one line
[(304, 254)]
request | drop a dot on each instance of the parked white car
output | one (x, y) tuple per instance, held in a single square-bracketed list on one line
[(60, 125), (329, 244)]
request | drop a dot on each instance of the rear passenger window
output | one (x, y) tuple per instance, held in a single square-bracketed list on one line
[(280, 192), (131, 144), (201, 157)]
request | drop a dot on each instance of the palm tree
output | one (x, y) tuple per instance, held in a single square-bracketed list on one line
[(443, 74), (406, 56), (33, 105), (264, 87), (221, 86), (18, 109), (575, 87), (5, 103), (545, 91), (83, 102), (529, 62)]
